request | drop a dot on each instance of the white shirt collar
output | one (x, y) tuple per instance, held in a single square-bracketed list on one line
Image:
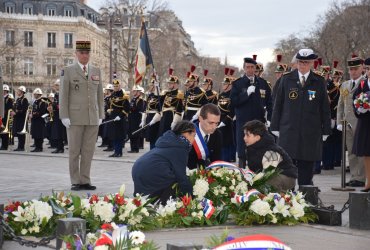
[(202, 132), (305, 75), (357, 80), (82, 66)]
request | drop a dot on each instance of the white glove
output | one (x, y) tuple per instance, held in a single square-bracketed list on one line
[(332, 123), (324, 137), (175, 120), (251, 89), (100, 121), (221, 125), (143, 118), (339, 127), (275, 133), (361, 110), (156, 118), (268, 123), (66, 122)]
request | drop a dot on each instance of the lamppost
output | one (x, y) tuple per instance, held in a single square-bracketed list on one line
[(109, 14)]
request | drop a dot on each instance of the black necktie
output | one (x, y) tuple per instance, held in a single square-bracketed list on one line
[(303, 81), (353, 84), (206, 138)]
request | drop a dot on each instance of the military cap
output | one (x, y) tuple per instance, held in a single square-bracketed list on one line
[(259, 66), (306, 54), (280, 67), (115, 82), (172, 78), (193, 76), (250, 60), (355, 61), (228, 79), (6, 87), (207, 79), (83, 45)]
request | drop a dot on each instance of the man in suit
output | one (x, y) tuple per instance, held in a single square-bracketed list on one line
[(208, 140), (301, 115), (345, 112), (81, 111)]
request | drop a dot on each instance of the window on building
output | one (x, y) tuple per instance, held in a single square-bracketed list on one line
[(9, 7), (51, 66), (28, 39), (10, 65), (51, 40), (68, 11), (68, 61), (68, 40), (10, 37), (82, 12), (51, 10), (28, 66), (28, 9)]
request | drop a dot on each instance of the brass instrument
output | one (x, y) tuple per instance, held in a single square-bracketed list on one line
[(51, 112), (9, 124), (28, 112)]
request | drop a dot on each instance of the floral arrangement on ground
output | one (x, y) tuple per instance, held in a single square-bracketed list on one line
[(220, 194)]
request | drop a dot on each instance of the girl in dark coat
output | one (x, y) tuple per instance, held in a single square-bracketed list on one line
[(158, 170), (361, 141)]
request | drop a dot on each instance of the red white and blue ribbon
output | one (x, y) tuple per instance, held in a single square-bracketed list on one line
[(257, 242), (248, 174), (208, 208), (245, 197), (105, 239), (200, 146)]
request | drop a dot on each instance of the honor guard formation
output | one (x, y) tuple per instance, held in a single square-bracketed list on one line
[(300, 114)]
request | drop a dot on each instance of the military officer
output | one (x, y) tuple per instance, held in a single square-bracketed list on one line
[(152, 108), (301, 115), (106, 142), (137, 108), (81, 111), (280, 69), (345, 112), (119, 110), (251, 97), (39, 108), (19, 115), (227, 114), (195, 97), (8, 105), (58, 131), (207, 85), (172, 105)]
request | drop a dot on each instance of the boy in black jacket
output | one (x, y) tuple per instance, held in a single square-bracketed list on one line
[(262, 152)]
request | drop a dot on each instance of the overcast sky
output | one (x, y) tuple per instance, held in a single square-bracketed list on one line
[(241, 28)]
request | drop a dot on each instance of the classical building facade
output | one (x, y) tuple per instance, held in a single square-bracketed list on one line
[(38, 39)]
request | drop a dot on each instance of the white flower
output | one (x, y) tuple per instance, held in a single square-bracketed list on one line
[(24, 231), (200, 214), (122, 190), (102, 247), (42, 210), (274, 219), (281, 208), (260, 207), (103, 210), (19, 214), (200, 188), (241, 188), (137, 237), (257, 177), (194, 214), (296, 210)]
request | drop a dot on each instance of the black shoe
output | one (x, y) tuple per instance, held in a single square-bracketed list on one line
[(37, 150), (87, 187), (355, 183), (108, 149), (113, 155), (366, 190), (317, 171), (33, 145), (102, 146), (52, 147), (19, 149), (133, 151), (3, 148), (75, 187), (57, 151)]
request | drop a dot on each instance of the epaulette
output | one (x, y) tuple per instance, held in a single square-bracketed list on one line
[(269, 83), (214, 92), (180, 95), (126, 97), (287, 72), (164, 92)]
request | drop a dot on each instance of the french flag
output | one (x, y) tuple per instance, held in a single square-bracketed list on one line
[(208, 208), (246, 197)]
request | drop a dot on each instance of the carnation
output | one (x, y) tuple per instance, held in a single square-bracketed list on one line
[(103, 210), (200, 188), (241, 188), (260, 207)]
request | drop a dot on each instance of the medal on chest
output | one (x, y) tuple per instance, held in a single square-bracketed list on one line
[(311, 95)]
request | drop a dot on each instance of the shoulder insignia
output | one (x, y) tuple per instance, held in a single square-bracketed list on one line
[(214, 92), (180, 95), (269, 83)]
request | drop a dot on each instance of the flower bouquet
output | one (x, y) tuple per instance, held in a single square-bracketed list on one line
[(361, 102)]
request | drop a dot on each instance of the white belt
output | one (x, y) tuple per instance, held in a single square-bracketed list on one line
[(192, 108), (151, 112), (168, 109)]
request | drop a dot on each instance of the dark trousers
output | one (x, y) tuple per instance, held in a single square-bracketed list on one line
[(163, 195), (135, 143), (227, 153), (59, 144), (305, 171), (21, 141), (118, 145), (4, 141), (38, 143)]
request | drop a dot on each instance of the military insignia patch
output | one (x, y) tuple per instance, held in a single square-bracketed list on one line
[(345, 92), (263, 93), (293, 94), (95, 78), (62, 72)]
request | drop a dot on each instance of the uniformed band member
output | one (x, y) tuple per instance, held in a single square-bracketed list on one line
[(58, 131), (195, 97), (345, 111), (172, 105), (152, 108), (119, 109), (301, 115), (19, 116), (280, 69), (137, 108), (207, 85), (8, 105), (251, 98), (227, 114), (106, 142), (81, 111), (39, 108)]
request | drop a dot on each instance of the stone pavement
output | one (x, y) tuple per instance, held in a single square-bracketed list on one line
[(28, 175)]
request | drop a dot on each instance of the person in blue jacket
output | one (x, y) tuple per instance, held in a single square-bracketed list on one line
[(156, 172)]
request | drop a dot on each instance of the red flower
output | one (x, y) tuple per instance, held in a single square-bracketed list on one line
[(202, 172), (107, 226), (366, 106), (119, 200), (232, 194), (68, 245), (211, 180), (182, 211), (67, 201), (137, 202), (186, 200), (94, 199), (106, 199), (12, 206)]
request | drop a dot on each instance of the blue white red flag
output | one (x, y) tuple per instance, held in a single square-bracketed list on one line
[(144, 57)]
